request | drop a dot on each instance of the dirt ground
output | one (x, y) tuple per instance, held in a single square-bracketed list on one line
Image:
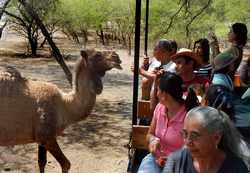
[(92, 145)]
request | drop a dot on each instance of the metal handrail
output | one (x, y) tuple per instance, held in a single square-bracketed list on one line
[(136, 59)]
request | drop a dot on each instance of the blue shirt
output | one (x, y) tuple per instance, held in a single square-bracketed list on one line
[(223, 79), (182, 162)]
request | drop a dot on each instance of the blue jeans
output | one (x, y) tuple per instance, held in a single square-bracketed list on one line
[(149, 165)]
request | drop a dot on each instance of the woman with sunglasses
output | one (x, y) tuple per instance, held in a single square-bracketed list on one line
[(212, 145)]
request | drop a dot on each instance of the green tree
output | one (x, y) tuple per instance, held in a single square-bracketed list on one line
[(187, 20), (123, 15), (77, 17), (25, 24)]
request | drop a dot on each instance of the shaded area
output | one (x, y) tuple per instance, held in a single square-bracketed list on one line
[(17, 158), (117, 79), (104, 128)]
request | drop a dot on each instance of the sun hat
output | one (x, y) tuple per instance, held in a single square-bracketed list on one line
[(184, 52), (223, 60)]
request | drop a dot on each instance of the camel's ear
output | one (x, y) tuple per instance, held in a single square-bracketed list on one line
[(84, 56)]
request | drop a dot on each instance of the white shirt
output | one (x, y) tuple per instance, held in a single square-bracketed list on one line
[(154, 64), (167, 67), (170, 67)]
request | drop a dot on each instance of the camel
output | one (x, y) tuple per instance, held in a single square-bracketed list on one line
[(36, 111)]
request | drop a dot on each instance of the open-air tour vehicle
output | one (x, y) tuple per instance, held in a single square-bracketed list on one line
[(138, 147)]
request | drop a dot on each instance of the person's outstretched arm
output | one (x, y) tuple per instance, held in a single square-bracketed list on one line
[(214, 46)]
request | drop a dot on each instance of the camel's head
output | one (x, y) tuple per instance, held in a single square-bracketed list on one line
[(97, 63), (101, 61)]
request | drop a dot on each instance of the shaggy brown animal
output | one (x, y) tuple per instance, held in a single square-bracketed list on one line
[(35, 111)]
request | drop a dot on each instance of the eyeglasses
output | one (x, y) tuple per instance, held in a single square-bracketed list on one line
[(193, 136)]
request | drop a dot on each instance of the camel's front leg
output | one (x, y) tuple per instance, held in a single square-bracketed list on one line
[(53, 147), (42, 157)]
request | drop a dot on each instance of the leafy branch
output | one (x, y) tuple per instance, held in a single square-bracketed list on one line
[(194, 17), (172, 19), (4, 7)]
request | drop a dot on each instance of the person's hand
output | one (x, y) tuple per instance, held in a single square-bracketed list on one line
[(145, 64), (161, 161), (154, 144), (158, 73), (212, 37)]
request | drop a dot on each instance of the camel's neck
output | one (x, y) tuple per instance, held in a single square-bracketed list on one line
[(78, 104), (77, 108)]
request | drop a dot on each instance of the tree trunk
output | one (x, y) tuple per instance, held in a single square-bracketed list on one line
[(75, 37), (33, 45), (46, 34), (129, 45), (101, 35), (124, 39), (2, 28), (1, 31), (1, 14), (32, 41), (3, 8), (85, 38), (43, 43), (107, 37)]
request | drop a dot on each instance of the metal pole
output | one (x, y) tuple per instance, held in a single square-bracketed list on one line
[(146, 28), (136, 59)]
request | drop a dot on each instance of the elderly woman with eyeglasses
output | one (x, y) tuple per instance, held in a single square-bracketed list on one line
[(212, 145)]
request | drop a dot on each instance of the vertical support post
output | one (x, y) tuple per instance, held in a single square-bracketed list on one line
[(146, 28), (136, 59)]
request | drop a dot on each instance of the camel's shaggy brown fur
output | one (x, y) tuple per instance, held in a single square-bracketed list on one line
[(35, 111)]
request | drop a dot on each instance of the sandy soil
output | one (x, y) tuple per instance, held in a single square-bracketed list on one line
[(93, 145)]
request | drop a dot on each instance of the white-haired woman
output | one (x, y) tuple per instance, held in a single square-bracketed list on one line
[(212, 145)]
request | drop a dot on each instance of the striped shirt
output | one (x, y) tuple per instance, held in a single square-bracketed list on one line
[(205, 70)]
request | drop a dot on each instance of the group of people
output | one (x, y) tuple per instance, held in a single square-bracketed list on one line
[(192, 129)]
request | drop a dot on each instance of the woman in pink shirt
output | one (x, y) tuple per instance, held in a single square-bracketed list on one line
[(164, 133)]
